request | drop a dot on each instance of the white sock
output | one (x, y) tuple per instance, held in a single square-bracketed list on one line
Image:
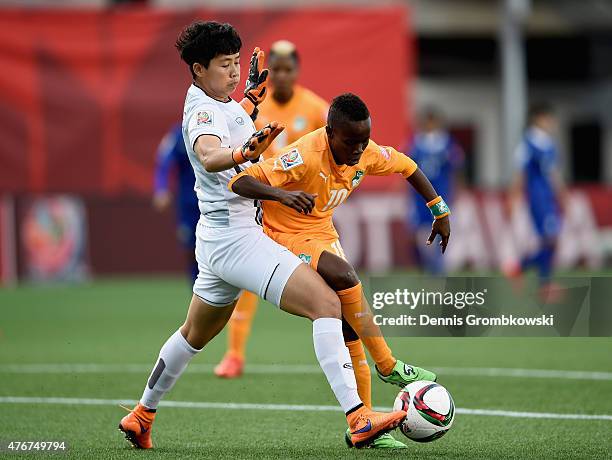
[(173, 359), (335, 361)]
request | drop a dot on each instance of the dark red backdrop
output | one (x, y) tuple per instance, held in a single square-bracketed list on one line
[(85, 96)]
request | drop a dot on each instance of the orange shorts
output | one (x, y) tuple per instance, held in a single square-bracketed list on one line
[(308, 249)]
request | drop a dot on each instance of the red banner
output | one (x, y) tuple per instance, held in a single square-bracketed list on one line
[(86, 95)]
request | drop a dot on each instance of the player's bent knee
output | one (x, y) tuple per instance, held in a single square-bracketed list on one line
[(327, 307), (344, 279), (306, 294), (347, 279), (337, 272)]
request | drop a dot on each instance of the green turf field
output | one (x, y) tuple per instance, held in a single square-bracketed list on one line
[(96, 342)]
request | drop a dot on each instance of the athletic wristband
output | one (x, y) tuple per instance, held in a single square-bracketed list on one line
[(438, 208), (238, 156), (249, 107)]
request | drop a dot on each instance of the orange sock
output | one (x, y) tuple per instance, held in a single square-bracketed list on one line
[(240, 324), (357, 313), (362, 371)]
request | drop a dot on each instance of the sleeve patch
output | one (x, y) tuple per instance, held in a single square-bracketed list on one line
[(205, 118), (291, 159)]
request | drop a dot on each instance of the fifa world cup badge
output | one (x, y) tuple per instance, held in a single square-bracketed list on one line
[(291, 159), (205, 117)]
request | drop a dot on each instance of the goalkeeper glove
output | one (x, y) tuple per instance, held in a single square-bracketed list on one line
[(256, 84), (257, 143)]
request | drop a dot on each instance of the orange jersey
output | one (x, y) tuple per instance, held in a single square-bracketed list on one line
[(309, 166), (304, 113)]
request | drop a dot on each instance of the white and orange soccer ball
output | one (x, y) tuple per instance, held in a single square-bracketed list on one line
[(430, 409)]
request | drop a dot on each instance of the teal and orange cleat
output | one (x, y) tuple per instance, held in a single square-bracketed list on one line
[(365, 425), (137, 426), (403, 374), (230, 367)]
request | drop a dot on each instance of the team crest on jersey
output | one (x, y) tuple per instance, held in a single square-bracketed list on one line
[(305, 258), (240, 121), (291, 159), (205, 117), (357, 178), (385, 153)]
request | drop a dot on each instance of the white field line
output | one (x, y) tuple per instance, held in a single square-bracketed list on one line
[(281, 407), (299, 369)]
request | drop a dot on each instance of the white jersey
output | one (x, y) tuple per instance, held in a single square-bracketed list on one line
[(228, 121)]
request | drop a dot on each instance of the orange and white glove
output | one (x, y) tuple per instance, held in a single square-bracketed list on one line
[(257, 143), (256, 85)]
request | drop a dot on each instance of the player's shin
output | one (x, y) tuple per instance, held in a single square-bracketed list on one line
[(174, 356), (240, 324), (334, 359), (362, 371), (357, 313)]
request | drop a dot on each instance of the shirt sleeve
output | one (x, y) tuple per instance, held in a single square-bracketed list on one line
[(206, 119), (285, 169), (387, 161)]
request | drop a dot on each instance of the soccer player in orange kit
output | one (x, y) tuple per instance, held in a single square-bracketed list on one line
[(300, 189), (300, 111), (298, 108)]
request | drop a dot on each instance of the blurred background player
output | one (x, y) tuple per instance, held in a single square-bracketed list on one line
[(538, 180), (440, 157), (298, 108), (301, 111), (172, 159)]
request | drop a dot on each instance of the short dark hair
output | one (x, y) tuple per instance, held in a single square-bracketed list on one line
[(202, 41), (539, 109), (347, 107)]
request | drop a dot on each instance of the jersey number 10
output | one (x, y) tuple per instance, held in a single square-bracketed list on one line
[(336, 197)]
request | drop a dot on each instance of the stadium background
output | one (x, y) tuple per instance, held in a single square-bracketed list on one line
[(89, 87), (88, 93)]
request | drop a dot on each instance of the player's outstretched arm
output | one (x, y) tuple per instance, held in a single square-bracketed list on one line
[(249, 187), (441, 223), (215, 158)]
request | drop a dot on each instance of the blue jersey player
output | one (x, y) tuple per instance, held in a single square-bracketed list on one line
[(539, 181), (172, 159), (439, 157)]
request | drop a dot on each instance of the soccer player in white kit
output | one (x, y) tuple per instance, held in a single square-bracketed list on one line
[(232, 251)]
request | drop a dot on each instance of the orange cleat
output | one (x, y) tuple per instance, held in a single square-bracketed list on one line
[(367, 425), (137, 426), (230, 367)]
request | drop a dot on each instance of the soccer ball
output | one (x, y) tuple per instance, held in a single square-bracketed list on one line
[(430, 409)]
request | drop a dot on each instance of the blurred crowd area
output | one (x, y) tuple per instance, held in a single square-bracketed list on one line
[(91, 87)]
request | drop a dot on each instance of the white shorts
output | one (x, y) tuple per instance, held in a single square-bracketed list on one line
[(233, 259)]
